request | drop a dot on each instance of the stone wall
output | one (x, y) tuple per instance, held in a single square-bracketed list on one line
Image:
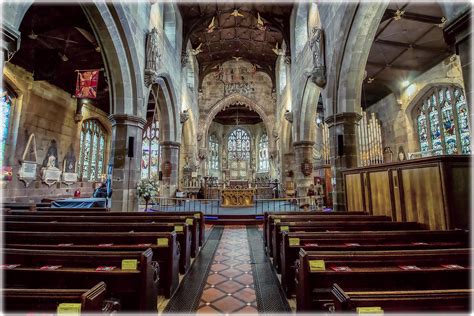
[(48, 112)]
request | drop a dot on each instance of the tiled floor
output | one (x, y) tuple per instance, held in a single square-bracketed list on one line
[(230, 285)]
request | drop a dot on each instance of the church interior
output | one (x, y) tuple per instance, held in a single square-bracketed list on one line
[(236, 157)]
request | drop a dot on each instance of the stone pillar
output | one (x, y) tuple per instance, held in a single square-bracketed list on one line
[(342, 158), (126, 170), (458, 34), (303, 151), (169, 168)]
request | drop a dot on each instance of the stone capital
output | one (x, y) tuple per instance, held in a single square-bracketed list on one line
[(125, 119), (10, 41), (170, 144), (303, 143), (343, 118)]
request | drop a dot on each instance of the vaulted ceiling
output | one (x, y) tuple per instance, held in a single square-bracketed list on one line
[(244, 31), (57, 40), (408, 42)]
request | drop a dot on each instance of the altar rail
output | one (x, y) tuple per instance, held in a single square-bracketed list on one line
[(213, 206)]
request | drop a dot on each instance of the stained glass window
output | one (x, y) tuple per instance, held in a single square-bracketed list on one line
[(92, 151), (6, 106), (238, 145), (214, 152), (445, 114), (151, 153), (263, 153)]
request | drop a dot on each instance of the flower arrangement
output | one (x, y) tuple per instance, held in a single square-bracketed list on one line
[(148, 188)]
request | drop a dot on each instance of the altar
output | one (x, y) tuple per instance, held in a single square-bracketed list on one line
[(234, 197)]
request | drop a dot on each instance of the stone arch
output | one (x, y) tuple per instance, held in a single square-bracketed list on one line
[(117, 42), (165, 100), (228, 101), (355, 54), (304, 127)]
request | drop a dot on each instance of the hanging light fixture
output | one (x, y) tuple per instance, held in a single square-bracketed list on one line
[(237, 155)]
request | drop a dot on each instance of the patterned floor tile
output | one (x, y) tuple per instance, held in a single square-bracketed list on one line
[(230, 284)]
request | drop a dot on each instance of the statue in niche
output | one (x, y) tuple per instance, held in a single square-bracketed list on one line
[(51, 158), (152, 57), (50, 173), (70, 161), (318, 75)]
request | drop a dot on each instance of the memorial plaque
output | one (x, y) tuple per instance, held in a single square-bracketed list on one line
[(27, 172), (51, 175), (69, 178)]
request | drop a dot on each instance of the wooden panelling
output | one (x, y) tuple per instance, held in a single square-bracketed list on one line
[(434, 190), (423, 196), (354, 193), (397, 198), (380, 197)]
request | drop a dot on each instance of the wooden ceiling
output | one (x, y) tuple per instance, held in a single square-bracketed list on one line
[(408, 42), (236, 33), (245, 116), (56, 40)]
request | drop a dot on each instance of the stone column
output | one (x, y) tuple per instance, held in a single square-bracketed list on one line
[(126, 170), (458, 34), (303, 151), (169, 168), (342, 158)]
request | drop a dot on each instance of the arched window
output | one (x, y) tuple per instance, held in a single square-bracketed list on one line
[(263, 153), (214, 152), (92, 151), (169, 23), (151, 153), (190, 73), (5, 114), (282, 74), (442, 120), (301, 27), (238, 145)]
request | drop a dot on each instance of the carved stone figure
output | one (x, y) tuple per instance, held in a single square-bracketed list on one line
[(317, 47), (51, 158), (152, 53), (152, 57), (70, 161)]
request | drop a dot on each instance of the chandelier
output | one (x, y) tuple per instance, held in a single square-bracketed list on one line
[(238, 155)]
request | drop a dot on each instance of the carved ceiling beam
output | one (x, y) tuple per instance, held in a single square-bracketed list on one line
[(410, 45), (370, 63), (423, 18)]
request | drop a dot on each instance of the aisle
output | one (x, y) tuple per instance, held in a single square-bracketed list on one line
[(232, 274), (230, 285)]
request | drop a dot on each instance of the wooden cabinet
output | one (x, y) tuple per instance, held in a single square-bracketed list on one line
[(434, 191)]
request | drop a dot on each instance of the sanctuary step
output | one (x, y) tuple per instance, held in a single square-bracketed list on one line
[(234, 219)]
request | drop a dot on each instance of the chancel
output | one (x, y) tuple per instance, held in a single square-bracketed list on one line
[(219, 157)]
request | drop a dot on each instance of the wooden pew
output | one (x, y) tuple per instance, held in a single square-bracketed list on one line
[(333, 226), (450, 300), (166, 256), (182, 232), (137, 289), (47, 300), (24, 206), (199, 216), (359, 241), (268, 216), (377, 271), (272, 220), (190, 220)]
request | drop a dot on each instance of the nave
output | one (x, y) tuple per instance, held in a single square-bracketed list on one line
[(94, 260)]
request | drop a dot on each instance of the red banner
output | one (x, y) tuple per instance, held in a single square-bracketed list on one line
[(86, 84)]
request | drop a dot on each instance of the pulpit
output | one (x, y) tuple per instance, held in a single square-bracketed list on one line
[(237, 197)]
